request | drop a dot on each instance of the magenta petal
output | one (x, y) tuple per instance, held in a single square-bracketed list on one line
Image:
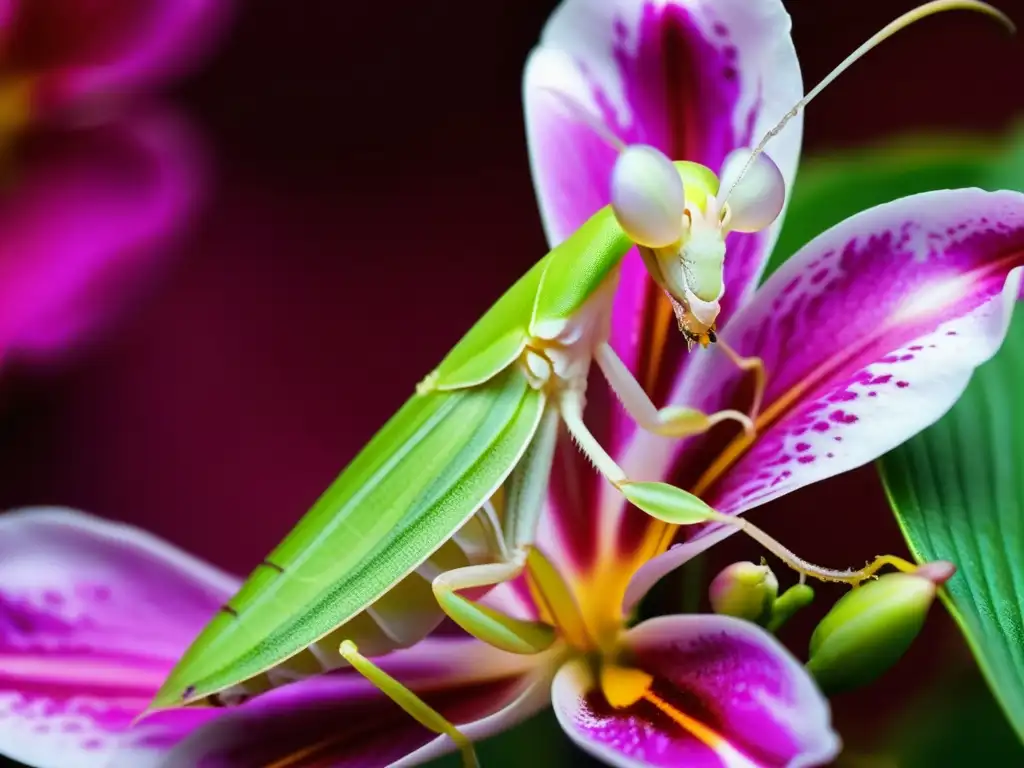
[(870, 333), (725, 692), (74, 51), (343, 721), (87, 219), (92, 617), (568, 528), (694, 78)]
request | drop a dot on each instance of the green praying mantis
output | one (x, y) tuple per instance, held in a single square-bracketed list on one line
[(446, 497)]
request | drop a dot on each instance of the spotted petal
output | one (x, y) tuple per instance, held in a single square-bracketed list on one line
[(869, 334), (695, 78), (92, 617), (343, 721), (725, 693), (86, 219), (75, 53)]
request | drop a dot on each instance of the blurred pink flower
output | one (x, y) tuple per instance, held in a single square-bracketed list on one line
[(92, 190), (83, 55), (85, 223)]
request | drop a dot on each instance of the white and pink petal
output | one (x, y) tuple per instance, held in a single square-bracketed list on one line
[(725, 694), (869, 334), (92, 617), (341, 720), (694, 78)]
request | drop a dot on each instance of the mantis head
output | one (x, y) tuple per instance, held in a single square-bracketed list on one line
[(679, 214)]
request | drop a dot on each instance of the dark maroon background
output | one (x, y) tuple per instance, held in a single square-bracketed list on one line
[(373, 199)]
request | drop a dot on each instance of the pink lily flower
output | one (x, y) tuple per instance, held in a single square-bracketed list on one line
[(94, 614), (867, 335), (72, 55)]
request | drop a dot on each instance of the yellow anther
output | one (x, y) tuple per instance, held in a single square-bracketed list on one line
[(624, 686)]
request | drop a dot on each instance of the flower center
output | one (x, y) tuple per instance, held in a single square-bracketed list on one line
[(581, 624)]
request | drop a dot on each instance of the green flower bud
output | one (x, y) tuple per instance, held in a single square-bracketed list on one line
[(746, 591), (872, 626)]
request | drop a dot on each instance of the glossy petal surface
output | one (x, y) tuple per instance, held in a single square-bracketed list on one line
[(725, 693), (342, 720), (92, 616)]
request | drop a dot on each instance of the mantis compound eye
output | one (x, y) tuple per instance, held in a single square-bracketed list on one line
[(647, 197), (754, 189)]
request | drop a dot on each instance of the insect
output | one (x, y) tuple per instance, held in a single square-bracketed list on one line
[(445, 498)]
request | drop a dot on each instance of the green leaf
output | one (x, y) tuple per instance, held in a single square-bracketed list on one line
[(958, 493), (833, 187)]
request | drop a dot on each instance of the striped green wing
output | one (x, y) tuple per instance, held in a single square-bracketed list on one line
[(414, 485)]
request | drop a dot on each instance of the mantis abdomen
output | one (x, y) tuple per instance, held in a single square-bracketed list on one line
[(399, 619)]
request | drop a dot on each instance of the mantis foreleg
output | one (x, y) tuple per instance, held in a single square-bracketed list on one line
[(492, 626), (677, 507), (747, 364), (673, 421), (426, 715)]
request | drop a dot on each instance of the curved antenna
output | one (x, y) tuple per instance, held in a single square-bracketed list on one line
[(908, 18), (581, 114)]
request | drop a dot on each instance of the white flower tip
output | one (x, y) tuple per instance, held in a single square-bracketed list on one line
[(756, 199), (647, 196)]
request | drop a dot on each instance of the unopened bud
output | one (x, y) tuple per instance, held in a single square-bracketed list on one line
[(872, 626), (746, 591)]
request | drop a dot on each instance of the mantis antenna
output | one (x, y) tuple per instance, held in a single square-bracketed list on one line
[(921, 12)]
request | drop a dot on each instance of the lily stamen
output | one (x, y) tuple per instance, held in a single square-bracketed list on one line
[(554, 598)]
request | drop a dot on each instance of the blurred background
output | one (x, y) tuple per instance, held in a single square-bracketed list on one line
[(365, 196)]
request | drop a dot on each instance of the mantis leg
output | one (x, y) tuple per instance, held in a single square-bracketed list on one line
[(426, 715), (524, 500), (747, 364), (483, 622), (673, 421), (677, 507)]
